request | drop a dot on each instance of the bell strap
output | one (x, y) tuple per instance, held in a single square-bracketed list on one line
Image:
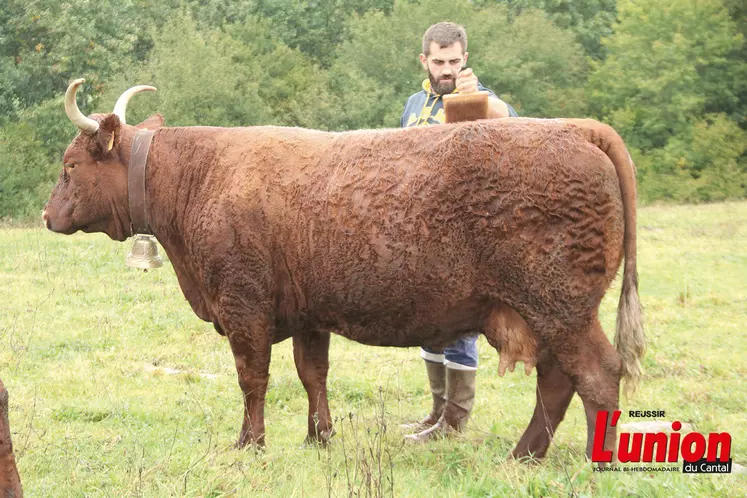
[(136, 181)]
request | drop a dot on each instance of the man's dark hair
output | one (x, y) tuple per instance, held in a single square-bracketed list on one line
[(445, 34)]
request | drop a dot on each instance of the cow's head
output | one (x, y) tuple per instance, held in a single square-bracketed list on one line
[(91, 193)]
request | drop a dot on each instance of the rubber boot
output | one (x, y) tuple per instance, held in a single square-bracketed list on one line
[(460, 385), (460, 398), (437, 380)]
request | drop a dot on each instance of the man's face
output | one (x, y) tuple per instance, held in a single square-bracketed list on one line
[(443, 66)]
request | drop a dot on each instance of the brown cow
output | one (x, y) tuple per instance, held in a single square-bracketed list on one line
[(10, 482), (399, 237)]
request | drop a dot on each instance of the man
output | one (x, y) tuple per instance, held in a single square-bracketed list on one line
[(444, 56), (451, 372)]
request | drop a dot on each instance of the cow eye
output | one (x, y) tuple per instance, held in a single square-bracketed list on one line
[(70, 165)]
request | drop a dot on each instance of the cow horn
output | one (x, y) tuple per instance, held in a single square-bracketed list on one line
[(85, 124), (121, 106)]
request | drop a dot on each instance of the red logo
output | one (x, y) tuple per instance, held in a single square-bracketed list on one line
[(664, 447)]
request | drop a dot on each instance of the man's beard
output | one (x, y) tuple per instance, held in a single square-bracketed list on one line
[(441, 87)]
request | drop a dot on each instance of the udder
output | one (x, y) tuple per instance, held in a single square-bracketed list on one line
[(511, 336)]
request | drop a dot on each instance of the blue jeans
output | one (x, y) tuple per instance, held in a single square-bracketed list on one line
[(461, 355)]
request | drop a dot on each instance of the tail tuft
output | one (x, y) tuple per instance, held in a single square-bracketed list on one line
[(630, 340)]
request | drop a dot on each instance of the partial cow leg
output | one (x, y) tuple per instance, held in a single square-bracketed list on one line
[(595, 367), (250, 343), (554, 393), (311, 354), (10, 483)]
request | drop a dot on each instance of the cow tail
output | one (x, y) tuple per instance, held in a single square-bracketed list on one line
[(630, 340)]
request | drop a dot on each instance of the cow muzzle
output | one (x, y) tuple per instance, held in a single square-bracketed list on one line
[(58, 221)]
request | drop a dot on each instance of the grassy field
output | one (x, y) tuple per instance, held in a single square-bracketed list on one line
[(117, 389)]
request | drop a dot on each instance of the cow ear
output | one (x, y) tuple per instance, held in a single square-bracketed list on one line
[(151, 123), (108, 134)]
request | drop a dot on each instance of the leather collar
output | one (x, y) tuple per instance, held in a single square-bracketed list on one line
[(136, 182)]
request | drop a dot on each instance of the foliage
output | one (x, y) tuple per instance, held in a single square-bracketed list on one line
[(31, 158), (27, 171), (535, 65), (314, 30), (590, 20), (530, 63), (236, 76), (706, 163), (46, 43), (671, 77), (203, 76)]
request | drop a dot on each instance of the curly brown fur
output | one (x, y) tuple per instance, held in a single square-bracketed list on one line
[(391, 237)]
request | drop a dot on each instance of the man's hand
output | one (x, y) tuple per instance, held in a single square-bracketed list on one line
[(466, 82)]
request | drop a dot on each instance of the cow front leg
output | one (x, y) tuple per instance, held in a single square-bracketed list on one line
[(311, 354), (250, 344)]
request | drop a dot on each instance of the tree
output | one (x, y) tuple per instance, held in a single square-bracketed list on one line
[(535, 66), (590, 20), (26, 173), (233, 76), (316, 28), (46, 43), (673, 72)]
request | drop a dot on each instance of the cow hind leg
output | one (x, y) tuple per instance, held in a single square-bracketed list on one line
[(515, 341), (554, 393), (595, 368), (311, 354)]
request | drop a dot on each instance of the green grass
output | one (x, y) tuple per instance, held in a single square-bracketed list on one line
[(86, 345)]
